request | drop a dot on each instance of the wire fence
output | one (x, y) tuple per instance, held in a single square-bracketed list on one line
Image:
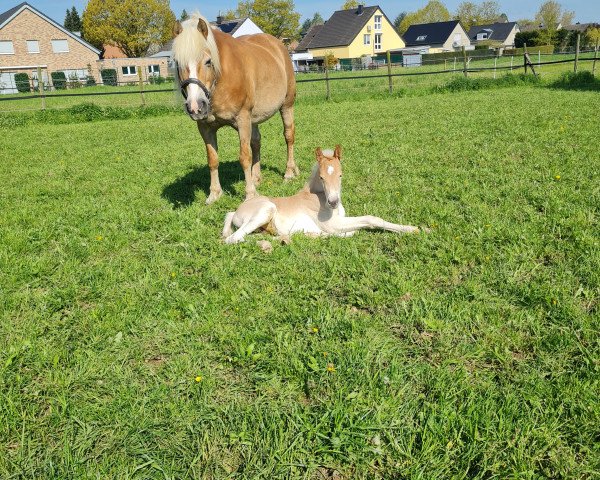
[(324, 84)]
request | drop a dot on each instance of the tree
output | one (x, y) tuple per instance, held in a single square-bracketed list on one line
[(551, 14), (434, 11), (317, 19), (131, 25), (471, 14), (73, 21), (594, 36), (276, 17), (350, 5), (184, 15), (398, 20)]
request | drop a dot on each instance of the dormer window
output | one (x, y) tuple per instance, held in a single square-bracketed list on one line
[(482, 36), (421, 38)]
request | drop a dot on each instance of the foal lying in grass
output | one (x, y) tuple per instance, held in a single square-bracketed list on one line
[(315, 210)]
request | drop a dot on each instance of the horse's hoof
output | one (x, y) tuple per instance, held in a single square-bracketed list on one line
[(213, 197), (290, 173)]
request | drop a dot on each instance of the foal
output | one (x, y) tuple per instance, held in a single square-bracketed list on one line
[(315, 210)]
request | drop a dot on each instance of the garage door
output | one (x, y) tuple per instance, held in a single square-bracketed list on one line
[(7, 83)]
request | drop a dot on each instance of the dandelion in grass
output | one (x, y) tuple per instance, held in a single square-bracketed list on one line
[(556, 177), (99, 238), (325, 354), (314, 330), (173, 274), (198, 379), (330, 368), (554, 301)]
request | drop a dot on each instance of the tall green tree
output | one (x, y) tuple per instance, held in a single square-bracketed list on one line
[(434, 11), (470, 13), (350, 5), (276, 17), (133, 26), (398, 20), (184, 15), (317, 19), (73, 21), (552, 13)]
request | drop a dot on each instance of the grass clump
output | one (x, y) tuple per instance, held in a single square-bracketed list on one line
[(463, 84), (577, 81)]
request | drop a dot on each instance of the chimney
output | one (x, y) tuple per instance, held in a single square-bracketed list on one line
[(360, 9), (219, 20)]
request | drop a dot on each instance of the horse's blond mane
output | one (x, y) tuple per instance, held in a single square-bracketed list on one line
[(190, 44)]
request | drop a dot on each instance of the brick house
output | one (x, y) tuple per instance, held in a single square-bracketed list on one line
[(29, 39)]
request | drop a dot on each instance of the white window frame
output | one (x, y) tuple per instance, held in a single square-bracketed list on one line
[(378, 20), (56, 46), (377, 45), (10, 50), (29, 45), (482, 36), (366, 39), (129, 67), (152, 71), (421, 38)]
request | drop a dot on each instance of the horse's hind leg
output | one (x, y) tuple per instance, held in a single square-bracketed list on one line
[(289, 131), (255, 145), (250, 221)]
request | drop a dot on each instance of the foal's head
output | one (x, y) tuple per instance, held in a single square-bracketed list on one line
[(330, 173), (195, 51)]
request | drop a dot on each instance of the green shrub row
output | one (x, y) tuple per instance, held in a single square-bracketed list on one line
[(458, 54), (545, 49)]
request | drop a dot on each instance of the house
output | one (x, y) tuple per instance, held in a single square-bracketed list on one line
[(437, 37), (235, 27), (30, 40), (501, 34), (350, 34)]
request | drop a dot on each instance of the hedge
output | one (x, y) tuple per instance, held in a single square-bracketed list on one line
[(458, 54), (22, 83), (109, 77), (546, 49), (59, 80)]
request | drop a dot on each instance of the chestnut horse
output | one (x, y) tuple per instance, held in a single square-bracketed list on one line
[(240, 82), (315, 210)]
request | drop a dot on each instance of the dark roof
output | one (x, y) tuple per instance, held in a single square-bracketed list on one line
[(342, 28), (434, 33), (497, 31), (229, 26), (581, 27), (312, 33), (10, 12)]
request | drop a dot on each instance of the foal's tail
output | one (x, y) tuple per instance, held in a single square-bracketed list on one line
[(227, 227)]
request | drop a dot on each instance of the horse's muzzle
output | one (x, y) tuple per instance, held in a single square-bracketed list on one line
[(199, 111)]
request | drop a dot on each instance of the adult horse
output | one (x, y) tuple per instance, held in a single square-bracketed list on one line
[(240, 82)]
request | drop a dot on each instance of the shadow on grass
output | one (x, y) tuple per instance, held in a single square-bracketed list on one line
[(182, 192), (584, 81)]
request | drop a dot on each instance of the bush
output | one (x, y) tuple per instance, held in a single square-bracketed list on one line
[(90, 81), (544, 49), (109, 77), (461, 84), (22, 83), (74, 81), (59, 80), (577, 81), (158, 80)]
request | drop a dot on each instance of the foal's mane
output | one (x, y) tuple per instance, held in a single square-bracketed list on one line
[(190, 44)]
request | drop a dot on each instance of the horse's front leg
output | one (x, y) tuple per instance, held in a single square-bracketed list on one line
[(345, 225), (244, 128), (209, 135), (255, 144), (289, 132)]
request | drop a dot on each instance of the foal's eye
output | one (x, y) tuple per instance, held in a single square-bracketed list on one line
[(208, 62)]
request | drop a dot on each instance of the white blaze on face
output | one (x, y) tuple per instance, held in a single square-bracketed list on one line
[(330, 170), (194, 91)]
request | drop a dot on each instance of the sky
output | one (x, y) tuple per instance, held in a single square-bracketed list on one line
[(585, 10)]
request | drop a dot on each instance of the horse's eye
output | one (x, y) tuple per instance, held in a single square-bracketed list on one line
[(208, 62)]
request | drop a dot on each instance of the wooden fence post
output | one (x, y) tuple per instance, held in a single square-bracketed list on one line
[(41, 87), (389, 65), (577, 52), (464, 52), (328, 96), (595, 58), (525, 57), (141, 86)]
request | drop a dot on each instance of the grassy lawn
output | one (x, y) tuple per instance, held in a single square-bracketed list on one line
[(134, 344)]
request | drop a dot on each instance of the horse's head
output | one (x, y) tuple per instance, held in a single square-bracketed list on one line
[(330, 174), (198, 67)]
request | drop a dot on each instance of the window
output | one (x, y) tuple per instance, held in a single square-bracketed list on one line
[(154, 69), (378, 41), (482, 36), (72, 75), (60, 46), (377, 22), (421, 38), (6, 47), (33, 46), (129, 70), (366, 39)]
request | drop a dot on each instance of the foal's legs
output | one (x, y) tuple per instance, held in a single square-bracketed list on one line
[(249, 218), (244, 128), (345, 225), (289, 131), (255, 145), (209, 135)]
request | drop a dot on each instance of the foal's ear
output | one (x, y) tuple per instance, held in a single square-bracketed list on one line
[(203, 27), (177, 29), (338, 152), (319, 153)]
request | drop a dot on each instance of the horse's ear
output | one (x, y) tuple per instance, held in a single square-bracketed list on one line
[(203, 27), (338, 152), (319, 153), (177, 29)]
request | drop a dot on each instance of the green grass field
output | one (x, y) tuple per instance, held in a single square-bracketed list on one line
[(135, 344)]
